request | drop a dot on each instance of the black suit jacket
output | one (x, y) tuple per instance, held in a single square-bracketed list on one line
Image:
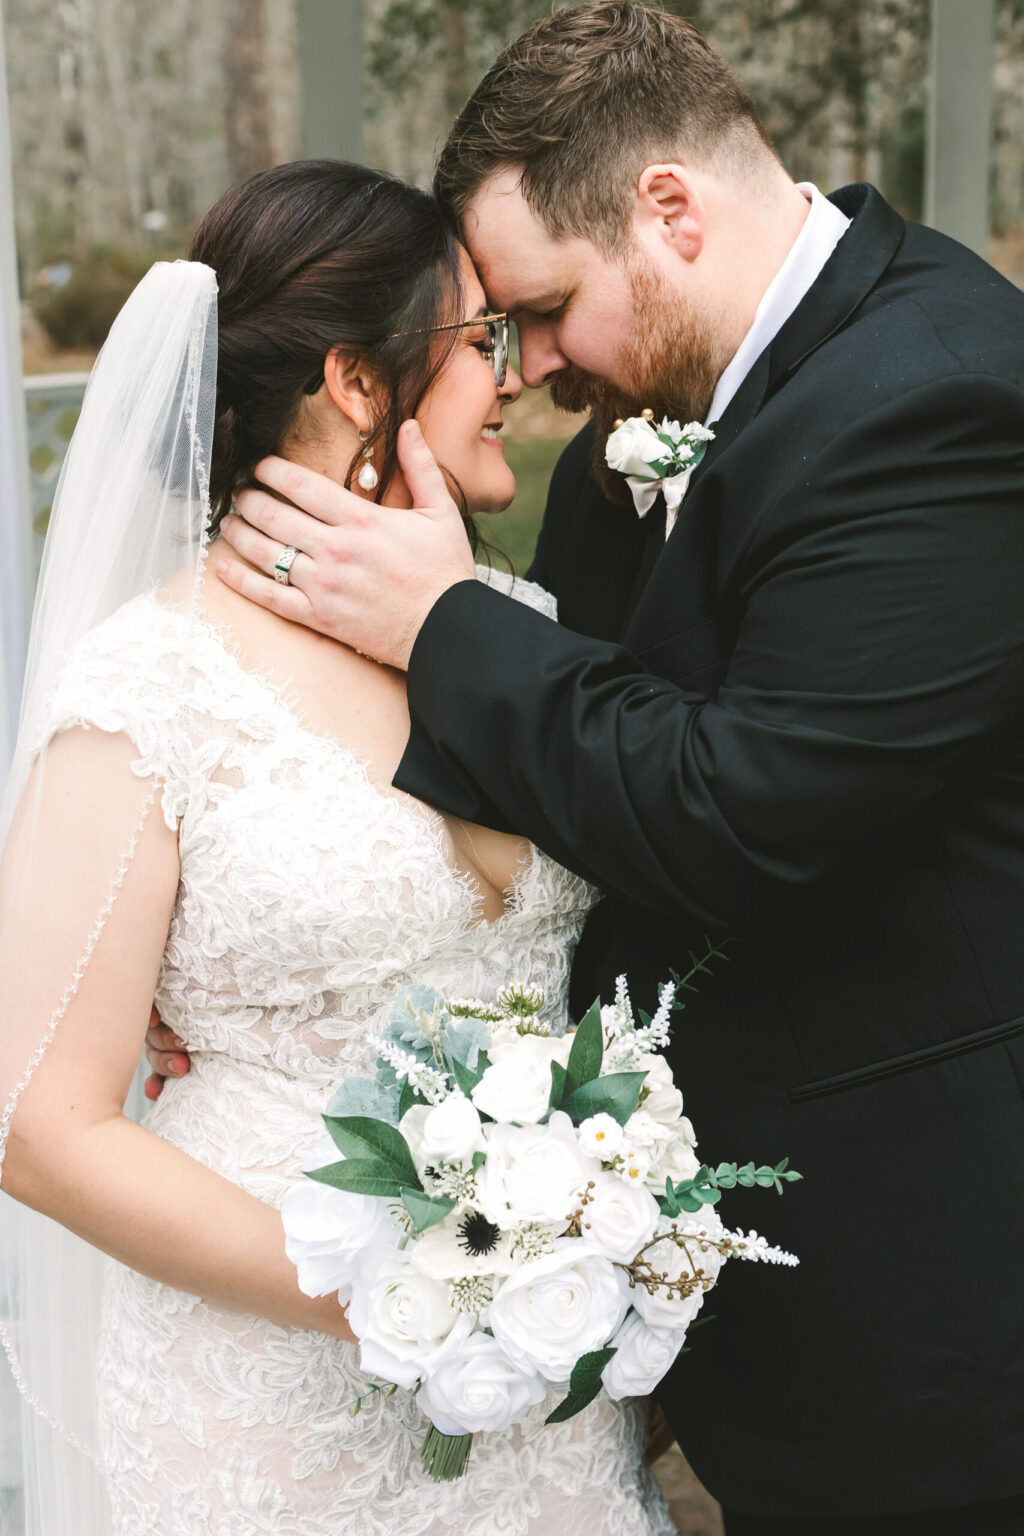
[(801, 722)]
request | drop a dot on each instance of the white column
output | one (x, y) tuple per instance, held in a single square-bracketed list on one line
[(14, 494), (331, 78), (959, 151)]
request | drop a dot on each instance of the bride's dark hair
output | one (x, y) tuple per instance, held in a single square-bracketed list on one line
[(310, 256)]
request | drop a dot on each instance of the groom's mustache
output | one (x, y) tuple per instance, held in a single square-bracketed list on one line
[(575, 391)]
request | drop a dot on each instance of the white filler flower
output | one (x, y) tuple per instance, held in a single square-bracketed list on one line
[(555, 1309), (642, 1357), (534, 1173), (601, 1136), (479, 1387)]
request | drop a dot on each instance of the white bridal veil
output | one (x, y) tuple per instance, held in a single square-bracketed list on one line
[(130, 517)]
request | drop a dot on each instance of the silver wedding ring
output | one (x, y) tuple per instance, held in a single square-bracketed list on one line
[(285, 561)]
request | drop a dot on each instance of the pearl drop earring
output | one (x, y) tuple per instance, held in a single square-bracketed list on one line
[(367, 476)]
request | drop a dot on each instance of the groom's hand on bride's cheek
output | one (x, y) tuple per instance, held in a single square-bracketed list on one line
[(166, 1055), (364, 574)]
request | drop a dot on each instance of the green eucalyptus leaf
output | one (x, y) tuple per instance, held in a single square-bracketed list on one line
[(584, 1385), (359, 1137), (690, 1202), (360, 1177), (588, 1369), (426, 1211), (587, 1051), (367, 1097), (558, 1076), (571, 1405), (614, 1095), (466, 1078)]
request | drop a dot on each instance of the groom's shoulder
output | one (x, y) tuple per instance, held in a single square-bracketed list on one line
[(953, 304)]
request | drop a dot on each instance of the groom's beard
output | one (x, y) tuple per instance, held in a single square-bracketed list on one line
[(670, 366)]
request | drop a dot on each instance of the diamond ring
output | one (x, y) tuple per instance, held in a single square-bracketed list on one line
[(285, 560)]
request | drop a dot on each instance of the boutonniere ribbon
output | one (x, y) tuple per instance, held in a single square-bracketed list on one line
[(657, 458)]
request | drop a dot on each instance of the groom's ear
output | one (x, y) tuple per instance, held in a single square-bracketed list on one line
[(670, 208), (351, 387)]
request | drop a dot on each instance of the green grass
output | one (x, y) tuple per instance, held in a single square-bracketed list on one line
[(514, 533)]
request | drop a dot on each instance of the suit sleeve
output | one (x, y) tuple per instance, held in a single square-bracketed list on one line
[(879, 663)]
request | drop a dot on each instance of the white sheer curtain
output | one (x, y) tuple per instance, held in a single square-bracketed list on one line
[(14, 528), (14, 603)]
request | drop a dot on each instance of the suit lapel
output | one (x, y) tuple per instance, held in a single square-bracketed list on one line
[(681, 570), (679, 580)]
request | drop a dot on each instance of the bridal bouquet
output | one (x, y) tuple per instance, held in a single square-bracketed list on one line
[(505, 1210)]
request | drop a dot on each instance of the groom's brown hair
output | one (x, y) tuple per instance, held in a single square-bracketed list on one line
[(583, 101)]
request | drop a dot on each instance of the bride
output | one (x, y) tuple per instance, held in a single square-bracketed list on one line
[(204, 814)]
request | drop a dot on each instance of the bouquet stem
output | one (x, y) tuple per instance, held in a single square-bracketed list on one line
[(444, 1457)]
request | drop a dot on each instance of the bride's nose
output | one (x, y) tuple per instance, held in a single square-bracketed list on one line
[(512, 387)]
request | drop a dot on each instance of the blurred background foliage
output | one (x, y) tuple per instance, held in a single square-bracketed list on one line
[(130, 117)]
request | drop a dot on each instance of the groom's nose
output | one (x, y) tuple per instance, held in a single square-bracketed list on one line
[(540, 360)]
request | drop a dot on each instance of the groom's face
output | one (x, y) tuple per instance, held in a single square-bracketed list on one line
[(602, 332)]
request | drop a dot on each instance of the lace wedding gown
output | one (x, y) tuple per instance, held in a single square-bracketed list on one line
[(310, 897)]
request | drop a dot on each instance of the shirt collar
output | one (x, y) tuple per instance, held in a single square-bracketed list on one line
[(822, 231)]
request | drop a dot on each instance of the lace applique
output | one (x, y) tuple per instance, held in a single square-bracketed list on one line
[(309, 898)]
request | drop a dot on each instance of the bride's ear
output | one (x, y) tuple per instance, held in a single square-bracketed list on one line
[(351, 387)]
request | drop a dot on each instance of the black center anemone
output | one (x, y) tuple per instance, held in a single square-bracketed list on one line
[(477, 1235)]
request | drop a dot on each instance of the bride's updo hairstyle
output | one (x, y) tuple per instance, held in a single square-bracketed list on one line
[(315, 255)]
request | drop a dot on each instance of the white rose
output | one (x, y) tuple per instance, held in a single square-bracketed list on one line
[(663, 1100), (601, 1136), (533, 1173), (326, 1230), (681, 1163), (451, 1131), (619, 1219), (476, 1387), (517, 1085), (557, 1308), (401, 1317), (676, 1262), (411, 1126), (643, 1355), (634, 447)]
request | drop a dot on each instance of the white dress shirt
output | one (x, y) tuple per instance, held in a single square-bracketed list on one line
[(823, 229)]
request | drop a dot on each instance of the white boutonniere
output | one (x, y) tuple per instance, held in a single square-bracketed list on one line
[(657, 458)]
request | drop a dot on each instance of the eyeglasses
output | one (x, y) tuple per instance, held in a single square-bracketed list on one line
[(495, 327)]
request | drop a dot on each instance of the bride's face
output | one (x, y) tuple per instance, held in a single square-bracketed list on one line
[(461, 415)]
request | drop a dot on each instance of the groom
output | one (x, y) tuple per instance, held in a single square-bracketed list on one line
[(797, 721)]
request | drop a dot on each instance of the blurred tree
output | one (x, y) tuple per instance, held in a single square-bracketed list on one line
[(832, 79), (247, 112)]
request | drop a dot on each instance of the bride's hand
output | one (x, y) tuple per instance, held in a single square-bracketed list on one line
[(366, 575), (166, 1055)]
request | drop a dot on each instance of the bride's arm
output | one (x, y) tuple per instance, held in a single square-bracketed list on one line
[(72, 1153)]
